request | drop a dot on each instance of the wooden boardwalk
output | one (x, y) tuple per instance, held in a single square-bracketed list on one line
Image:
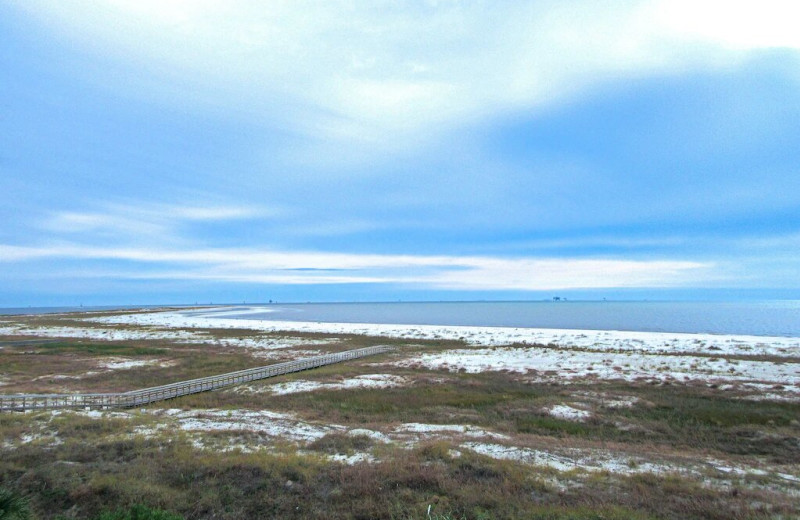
[(22, 402)]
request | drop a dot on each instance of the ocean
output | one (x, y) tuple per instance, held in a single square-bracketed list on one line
[(758, 318), (763, 318)]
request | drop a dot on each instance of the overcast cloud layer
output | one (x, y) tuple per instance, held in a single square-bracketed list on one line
[(208, 150)]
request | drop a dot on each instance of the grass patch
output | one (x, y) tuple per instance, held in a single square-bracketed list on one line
[(340, 443), (13, 506), (167, 474), (682, 407), (551, 425), (672, 415), (475, 396), (98, 349), (138, 512)]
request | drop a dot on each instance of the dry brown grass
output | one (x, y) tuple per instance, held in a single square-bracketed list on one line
[(95, 471)]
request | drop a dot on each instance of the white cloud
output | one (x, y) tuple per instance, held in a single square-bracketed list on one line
[(81, 222), (389, 76), (552, 274), (449, 272), (202, 213), (146, 220), (736, 24), (22, 253)]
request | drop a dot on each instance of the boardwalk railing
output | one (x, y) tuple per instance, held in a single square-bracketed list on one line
[(21, 402)]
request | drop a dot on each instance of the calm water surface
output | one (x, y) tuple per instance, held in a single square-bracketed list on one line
[(766, 318), (774, 318)]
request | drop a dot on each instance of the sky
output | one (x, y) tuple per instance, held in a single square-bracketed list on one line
[(245, 151)]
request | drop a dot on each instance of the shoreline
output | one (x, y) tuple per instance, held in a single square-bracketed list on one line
[(482, 335), (764, 319), (769, 366)]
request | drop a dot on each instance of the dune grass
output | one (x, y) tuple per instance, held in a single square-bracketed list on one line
[(92, 476)]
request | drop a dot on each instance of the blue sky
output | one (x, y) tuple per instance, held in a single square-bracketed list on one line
[(155, 152)]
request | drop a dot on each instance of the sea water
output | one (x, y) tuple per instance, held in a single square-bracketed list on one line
[(759, 318), (763, 318)]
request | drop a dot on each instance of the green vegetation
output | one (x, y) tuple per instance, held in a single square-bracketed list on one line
[(340, 443), (95, 349), (138, 512), (13, 506), (687, 416), (168, 473)]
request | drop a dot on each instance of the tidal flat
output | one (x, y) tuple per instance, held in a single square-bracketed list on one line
[(455, 422)]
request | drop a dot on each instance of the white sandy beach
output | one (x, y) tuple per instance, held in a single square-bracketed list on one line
[(763, 365), (599, 340), (549, 354)]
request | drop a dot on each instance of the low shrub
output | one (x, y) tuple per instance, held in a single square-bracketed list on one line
[(138, 512)]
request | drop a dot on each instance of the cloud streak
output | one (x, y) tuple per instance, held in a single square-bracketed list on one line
[(444, 272), (147, 220)]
